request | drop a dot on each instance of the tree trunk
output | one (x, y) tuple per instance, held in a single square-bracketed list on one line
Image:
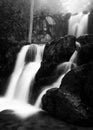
[(31, 20)]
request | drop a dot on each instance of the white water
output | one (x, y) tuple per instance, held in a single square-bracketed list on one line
[(78, 24), (73, 24), (83, 26), (16, 96), (73, 58), (27, 77), (22, 78), (24, 74), (21, 109), (54, 85), (16, 73)]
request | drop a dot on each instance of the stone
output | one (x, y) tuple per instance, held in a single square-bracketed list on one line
[(90, 23), (85, 39), (85, 54), (58, 51), (72, 102)]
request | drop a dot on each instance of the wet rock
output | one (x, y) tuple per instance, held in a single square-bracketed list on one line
[(80, 82), (85, 39), (58, 51), (85, 54), (9, 121), (90, 23), (72, 102), (39, 121), (65, 106)]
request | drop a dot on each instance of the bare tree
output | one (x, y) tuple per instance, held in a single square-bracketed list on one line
[(31, 20)]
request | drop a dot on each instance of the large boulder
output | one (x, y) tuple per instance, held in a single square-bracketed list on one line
[(58, 51), (72, 102), (90, 23), (85, 54), (85, 39)]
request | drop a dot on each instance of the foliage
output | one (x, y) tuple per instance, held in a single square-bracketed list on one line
[(14, 25), (14, 19)]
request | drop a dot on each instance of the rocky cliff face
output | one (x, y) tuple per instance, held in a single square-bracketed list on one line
[(58, 51), (72, 101)]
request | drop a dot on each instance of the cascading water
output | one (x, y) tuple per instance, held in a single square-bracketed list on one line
[(17, 71), (78, 24), (16, 96), (83, 26), (28, 74), (73, 23), (54, 85), (28, 63)]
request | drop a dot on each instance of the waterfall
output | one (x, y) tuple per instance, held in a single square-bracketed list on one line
[(83, 26), (27, 64), (22, 78), (78, 24), (27, 77), (24, 74), (73, 23), (17, 71)]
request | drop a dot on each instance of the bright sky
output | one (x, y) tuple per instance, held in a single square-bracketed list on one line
[(73, 6)]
